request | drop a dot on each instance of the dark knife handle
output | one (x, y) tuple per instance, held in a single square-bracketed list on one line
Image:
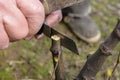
[(41, 30)]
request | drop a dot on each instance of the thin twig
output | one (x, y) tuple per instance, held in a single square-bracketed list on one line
[(55, 67), (116, 65)]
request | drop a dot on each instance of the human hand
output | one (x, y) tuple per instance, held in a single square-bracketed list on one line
[(20, 19)]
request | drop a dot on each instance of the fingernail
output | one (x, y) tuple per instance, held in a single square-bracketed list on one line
[(60, 15), (57, 21)]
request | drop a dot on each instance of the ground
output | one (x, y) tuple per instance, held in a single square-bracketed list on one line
[(25, 60)]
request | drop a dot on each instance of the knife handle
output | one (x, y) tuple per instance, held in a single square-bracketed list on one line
[(52, 5)]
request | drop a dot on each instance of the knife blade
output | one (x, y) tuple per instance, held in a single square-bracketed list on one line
[(65, 41)]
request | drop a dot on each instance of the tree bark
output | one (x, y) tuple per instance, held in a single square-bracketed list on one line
[(57, 58), (96, 61)]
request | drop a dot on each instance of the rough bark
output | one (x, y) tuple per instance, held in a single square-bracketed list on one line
[(96, 61)]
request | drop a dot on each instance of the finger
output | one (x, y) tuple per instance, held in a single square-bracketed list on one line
[(34, 13), (4, 40), (51, 20), (54, 18), (15, 24)]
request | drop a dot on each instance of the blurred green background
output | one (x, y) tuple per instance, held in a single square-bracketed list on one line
[(32, 60)]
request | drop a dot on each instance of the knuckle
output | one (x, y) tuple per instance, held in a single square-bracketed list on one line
[(38, 10)]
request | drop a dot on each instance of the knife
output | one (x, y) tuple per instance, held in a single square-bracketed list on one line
[(52, 5), (65, 41)]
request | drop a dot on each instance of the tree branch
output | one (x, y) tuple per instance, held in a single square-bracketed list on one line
[(57, 58), (96, 61)]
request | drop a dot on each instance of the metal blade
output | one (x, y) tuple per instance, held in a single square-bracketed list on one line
[(65, 41)]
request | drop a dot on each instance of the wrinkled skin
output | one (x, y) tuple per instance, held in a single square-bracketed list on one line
[(20, 19)]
